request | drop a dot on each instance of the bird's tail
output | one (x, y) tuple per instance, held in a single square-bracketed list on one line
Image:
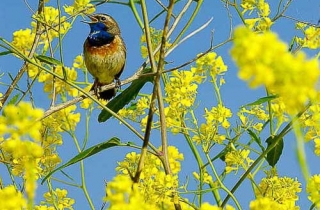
[(108, 94)]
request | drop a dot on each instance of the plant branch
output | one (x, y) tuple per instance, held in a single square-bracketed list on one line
[(152, 103)]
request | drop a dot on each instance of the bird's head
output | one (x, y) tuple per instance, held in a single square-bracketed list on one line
[(103, 22), (103, 29)]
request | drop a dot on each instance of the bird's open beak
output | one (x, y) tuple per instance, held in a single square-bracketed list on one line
[(92, 18)]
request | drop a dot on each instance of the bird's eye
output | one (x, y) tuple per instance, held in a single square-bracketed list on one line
[(103, 18)]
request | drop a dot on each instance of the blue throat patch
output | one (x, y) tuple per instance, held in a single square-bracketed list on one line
[(98, 35)]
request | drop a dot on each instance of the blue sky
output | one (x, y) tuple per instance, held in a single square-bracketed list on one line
[(15, 15)]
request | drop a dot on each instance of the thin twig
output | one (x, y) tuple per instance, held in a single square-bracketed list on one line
[(199, 56)]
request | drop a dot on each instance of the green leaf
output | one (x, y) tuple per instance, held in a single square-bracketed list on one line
[(48, 60), (256, 138), (14, 99), (5, 53), (86, 153), (262, 100), (124, 98), (274, 155)]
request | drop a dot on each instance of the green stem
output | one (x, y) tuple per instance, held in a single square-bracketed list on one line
[(135, 13), (83, 181), (222, 185), (185, 28)]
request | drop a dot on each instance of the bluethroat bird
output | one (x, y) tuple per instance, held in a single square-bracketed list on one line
[(104, 53)]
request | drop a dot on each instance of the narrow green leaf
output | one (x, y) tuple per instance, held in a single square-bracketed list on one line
[(274, 155), (14, 99), (48, 60), (5, 53), (123, 98), (262, 100), (86, 153), (256, 138)]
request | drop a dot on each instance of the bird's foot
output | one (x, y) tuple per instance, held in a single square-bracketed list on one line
[(96, 88), (118, 83)]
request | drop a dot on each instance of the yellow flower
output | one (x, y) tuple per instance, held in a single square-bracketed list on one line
[(311, 37), (264, 60), (251, 22), (264, 24), (57, 197), (78, 63), (12, 199), (282, 190), (60, 86), (79, 5), (210, 63), (207, 206), (21, 120), (181, 93), (265, 203), (155, 185), (237, 159), (313, 189), (207, 178), (261, 6), (23, 40), (136, 110), (87, 102), (55, 24)]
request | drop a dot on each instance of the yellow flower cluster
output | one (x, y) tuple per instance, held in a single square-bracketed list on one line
[(313, 189), (12, 199), (155, 186), (123, 194), (57, 198), (310, 121), (282, 190), (237, 159), (181, 91), (311, 37), (63, 120), (209, 133), (266, 203), (207, 178), (80, 6), (262, 22), (278, 108), (250, 117), (53, 126), (60, 86), (212, 64), (264, 60), (21, 147), (23, 40), (136, 110), (78, 63), (53, 25)]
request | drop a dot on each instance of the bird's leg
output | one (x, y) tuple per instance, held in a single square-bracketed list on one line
[(118, 83), (95, 88)]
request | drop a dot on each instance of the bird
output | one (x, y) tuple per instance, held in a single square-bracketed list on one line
[(104, 53)]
